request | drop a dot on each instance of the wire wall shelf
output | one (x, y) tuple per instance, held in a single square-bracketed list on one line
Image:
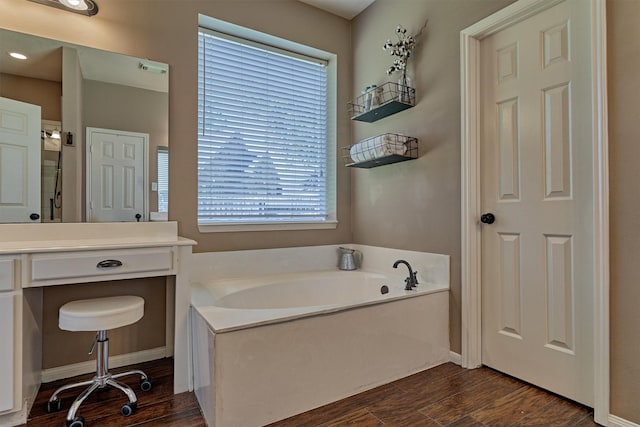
[(380, 150), (381, 101)]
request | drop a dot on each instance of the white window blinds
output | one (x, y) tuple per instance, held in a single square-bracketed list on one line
[(262, 139), (163, 179)]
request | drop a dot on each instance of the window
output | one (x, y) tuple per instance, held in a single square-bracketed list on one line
[(163, 179), (263, 144)]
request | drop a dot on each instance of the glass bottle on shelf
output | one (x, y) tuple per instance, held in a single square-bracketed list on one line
[(404, 91), (375, 96), (366, 99)]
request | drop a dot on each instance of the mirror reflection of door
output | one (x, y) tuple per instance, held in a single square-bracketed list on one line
[(51, 170), (103, 90), (19, 161), (116, 175)]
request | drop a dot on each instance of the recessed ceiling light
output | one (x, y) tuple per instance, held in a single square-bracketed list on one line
[(17, 55), (75, 4), (83, 7)]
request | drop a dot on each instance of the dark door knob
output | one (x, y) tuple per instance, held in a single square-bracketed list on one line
[(34, 217), (138, 216), (487, 218)]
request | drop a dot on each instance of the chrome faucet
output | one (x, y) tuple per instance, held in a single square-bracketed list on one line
[(410, 281)]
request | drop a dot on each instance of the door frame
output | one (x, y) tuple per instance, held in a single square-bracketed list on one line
[(145, 167), (471, 250)]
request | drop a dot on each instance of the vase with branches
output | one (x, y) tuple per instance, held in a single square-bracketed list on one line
[(401, 50)]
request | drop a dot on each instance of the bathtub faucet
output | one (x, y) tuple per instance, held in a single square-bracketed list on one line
[(410, 281)]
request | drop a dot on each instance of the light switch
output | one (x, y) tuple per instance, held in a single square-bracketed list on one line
[(154, 186)]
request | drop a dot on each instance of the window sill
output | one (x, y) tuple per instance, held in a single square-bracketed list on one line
[(227, 228)]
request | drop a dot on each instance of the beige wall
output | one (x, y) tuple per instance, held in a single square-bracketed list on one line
[(416, 205), (44, 93), (61, 348), (623, 17), (166, 31), (112, 106)]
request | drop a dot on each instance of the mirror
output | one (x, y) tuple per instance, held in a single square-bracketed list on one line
[(81, 90)]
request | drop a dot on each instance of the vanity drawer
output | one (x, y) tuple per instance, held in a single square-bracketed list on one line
[(100, 265), (8, 276)]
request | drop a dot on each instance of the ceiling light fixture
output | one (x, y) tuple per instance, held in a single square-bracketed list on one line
[(83, 7), (17, 55), (152, 68), (75, 4)]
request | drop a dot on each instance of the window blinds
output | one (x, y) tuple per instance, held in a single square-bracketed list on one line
[(262, 138), (163, 179)]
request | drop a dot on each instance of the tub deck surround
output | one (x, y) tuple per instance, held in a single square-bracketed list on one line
[(215, 266), (233, 304), (33, 256), (268, 361)]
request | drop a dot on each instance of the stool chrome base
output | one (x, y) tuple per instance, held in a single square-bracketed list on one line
[(102, 379)]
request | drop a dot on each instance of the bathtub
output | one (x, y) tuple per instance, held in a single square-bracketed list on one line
[(269, 346)]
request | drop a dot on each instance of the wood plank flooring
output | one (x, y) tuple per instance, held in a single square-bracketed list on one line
[(158, 407), (446, 395)]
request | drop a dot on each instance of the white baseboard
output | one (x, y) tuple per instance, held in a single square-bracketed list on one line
[(68, 371), (14, 418), (455, 358), (615, 421)]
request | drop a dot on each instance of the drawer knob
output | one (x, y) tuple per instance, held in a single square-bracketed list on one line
[(109, 263)]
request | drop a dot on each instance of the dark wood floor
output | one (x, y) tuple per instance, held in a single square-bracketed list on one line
[(159, 407), (443, 396), (448, 395)]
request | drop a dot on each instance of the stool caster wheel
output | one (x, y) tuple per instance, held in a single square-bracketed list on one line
[(77, 422), (54, 406), (127, 409), (146, 384)]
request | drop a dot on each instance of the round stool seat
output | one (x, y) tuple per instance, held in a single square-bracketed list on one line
[(101, 314)]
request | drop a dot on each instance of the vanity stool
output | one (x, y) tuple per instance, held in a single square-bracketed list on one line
[(100, 314)]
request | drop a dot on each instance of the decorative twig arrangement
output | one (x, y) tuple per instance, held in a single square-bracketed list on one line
[(401, 50)]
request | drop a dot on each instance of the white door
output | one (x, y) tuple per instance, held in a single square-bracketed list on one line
[(536, 163), (19, 161), (116, 175)]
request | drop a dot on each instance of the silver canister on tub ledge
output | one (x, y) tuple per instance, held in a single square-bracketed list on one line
[(347, 259)]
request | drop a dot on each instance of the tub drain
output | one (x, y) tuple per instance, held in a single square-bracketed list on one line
[(384, 289)]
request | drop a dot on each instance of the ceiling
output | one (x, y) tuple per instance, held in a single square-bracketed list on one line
[(45, 62), (345, 8)]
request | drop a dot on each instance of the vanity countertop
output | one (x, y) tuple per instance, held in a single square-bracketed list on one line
[(40, 246), (37, 238)]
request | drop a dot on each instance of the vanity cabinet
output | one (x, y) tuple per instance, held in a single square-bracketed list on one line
[(9, 346), (8, 273), (7, 350), (97, 265), (33, 256)]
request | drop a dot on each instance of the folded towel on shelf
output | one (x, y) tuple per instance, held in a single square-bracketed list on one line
[(379, 146)]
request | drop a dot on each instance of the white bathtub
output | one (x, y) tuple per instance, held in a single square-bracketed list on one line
[(307, 290), (270, 346)]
